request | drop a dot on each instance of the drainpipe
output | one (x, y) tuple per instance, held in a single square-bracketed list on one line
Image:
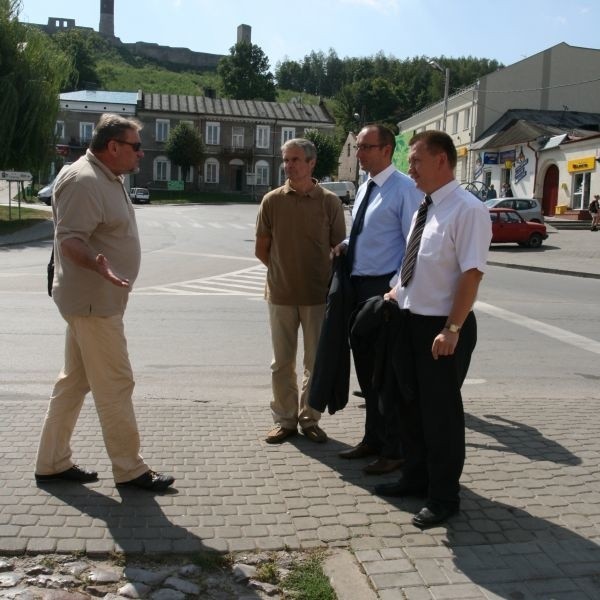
[(535, 172)]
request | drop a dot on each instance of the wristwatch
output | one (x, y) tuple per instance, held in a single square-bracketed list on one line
[(452, 328)]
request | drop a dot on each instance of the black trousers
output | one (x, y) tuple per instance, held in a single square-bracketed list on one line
[(381, 434), (432, 419)]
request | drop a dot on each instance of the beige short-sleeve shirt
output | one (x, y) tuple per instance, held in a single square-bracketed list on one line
[(90, 203), (303, 228)]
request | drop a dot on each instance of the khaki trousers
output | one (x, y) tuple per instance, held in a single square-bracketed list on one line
[(96, 359), (289, 410)]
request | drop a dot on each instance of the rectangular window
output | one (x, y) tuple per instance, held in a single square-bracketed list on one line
[(581, 191), (212, 175), (262, 175), (190, 174), (161, 170), (59, 130), (213, 133), (455, 122), (85, 132), (163, 127), (237, 137), (467, 122), (262, 136), (287, 133)]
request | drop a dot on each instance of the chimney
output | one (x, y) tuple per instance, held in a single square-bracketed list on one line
[(107, 18)]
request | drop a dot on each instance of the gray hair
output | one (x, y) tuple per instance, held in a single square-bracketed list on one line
[(309, 149), (111, 127)]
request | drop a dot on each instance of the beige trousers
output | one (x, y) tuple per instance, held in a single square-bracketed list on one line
[(96, 359), (289, 410)]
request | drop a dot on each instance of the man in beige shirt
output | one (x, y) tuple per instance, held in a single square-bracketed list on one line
[(97, 255), (297, 226)]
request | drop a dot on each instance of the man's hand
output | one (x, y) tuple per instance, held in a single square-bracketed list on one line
[(338, 250), (444, 343), (105, 271)]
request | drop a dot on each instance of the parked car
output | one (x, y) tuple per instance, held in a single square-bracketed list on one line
[(45, 194), (509, 226), (139, 195), (529, 208), (345, 190)]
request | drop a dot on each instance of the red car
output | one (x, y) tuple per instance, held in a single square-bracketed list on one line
[(509, 226)]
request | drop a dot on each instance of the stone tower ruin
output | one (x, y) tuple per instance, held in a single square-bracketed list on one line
[(107, 18)]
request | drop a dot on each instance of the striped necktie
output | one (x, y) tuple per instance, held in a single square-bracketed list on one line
[(412, 248)]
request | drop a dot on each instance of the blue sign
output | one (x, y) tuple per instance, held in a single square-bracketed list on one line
[(490, 158)]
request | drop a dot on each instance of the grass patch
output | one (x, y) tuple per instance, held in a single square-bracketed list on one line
[(307, 581), (267, 573), (212, 561), (29, 217)]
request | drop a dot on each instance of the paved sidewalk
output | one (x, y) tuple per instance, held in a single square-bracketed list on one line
[(529, 528)]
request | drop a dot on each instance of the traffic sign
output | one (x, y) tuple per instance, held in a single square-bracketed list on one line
[(15, 176), (174, 184)]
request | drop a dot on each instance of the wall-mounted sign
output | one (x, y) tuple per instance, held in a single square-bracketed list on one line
[(490, 158), (587, 163), (507, 155)]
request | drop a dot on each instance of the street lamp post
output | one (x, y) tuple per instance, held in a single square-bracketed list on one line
[(435, 65)]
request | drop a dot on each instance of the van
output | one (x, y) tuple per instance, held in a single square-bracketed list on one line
[(139, 195), (345, 190), (45, 194)]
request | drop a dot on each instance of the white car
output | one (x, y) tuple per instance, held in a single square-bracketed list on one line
[(345, 190), (529, 208), (139, 195)]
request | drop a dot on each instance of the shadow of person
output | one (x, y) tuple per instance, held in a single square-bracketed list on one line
[(518, 438), (533, 556), (137, 523)]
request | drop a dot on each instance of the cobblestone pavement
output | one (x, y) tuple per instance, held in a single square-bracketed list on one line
[(529, 527)]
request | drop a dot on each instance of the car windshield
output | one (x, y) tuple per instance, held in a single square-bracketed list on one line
[(491, 203)]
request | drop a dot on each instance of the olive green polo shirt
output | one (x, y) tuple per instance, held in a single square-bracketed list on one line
[(303, 228)]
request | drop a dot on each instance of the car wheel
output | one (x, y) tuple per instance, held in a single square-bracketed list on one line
[(535, 240)]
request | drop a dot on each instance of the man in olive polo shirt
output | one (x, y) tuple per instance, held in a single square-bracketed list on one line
[(97, 255), (297, 226)]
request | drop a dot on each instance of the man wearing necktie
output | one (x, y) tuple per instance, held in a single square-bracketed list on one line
[(374, 250), (444, 263)]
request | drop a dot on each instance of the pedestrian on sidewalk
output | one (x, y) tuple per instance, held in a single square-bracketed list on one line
[(373, 253), (297, 226), (595, 212), (97, 259), (445, 260)]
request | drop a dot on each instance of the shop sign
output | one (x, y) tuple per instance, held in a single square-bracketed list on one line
[(588, 163), (490, 158)]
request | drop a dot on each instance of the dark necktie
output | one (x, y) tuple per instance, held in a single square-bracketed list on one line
[(357, 225), (412, 248)]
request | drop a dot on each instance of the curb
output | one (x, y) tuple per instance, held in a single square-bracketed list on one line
[(544, 270), (346, 577), (37, 233)]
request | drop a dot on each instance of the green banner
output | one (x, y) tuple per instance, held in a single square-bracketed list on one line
[(175, 185)]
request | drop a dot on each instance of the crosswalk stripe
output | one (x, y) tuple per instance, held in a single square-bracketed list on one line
[(249, 282)]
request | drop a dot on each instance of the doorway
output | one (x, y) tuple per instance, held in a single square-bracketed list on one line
[(550, 192)]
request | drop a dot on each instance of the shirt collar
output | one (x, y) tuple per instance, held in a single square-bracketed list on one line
[(288, 189), (441, 193), (96, 161), (383, 176)]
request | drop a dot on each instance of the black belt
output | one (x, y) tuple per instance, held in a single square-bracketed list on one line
[(363, 277)]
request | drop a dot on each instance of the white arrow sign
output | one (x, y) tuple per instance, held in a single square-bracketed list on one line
[(15, 176)]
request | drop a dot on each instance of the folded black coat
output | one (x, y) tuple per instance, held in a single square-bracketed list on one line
[(379, 326), (330, 383)]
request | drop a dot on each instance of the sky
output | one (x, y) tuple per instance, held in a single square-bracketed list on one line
[(505, 30)]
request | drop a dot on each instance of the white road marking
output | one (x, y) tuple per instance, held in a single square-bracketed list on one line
[(562, 335)]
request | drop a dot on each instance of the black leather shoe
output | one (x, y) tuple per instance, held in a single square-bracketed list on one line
[(75, 473), (151, 481), (360, 451), (383, 465), (400, 488), (429, 517)]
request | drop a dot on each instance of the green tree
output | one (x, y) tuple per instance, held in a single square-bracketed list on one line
[(77, 46), (245, 74), (184, 147), (328, 153), (32, 73)]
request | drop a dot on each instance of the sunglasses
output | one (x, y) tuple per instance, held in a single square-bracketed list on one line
[(135, 145)]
